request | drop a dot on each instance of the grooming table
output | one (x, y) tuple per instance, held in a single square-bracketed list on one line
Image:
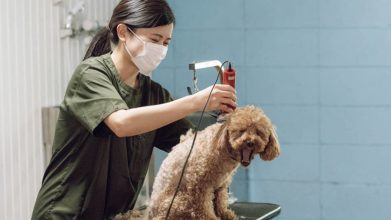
[(246, 210), (255, 211)]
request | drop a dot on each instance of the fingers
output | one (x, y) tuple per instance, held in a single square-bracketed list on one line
[(225, 91), (228, 102), (225, 108), (224, 98), (225, 87), (228, 95)]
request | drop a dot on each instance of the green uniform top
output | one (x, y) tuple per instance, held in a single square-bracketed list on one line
[(93, 174)]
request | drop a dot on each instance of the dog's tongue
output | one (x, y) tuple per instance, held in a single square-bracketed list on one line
[(246, 156)]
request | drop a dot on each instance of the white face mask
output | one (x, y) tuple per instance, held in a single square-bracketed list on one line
[(149, 58)]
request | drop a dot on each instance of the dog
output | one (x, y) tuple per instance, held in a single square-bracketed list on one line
[(218, 151)]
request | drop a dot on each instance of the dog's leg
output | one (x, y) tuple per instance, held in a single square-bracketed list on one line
[(203, 205), (221, 203)]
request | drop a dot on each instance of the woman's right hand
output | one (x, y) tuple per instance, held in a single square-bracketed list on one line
[(223, 98)]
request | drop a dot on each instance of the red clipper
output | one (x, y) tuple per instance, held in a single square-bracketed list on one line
[(229, 77)]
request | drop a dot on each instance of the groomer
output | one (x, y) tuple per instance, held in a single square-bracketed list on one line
[(113, 115)]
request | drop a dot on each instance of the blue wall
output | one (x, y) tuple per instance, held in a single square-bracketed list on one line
[(321, 69)]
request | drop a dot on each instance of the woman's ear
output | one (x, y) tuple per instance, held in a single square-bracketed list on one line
[(122, 31), (272, 149)]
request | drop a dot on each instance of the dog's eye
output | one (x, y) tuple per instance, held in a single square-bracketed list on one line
[(242, 131)]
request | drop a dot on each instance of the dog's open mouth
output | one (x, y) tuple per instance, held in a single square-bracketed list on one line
[(246, 156)]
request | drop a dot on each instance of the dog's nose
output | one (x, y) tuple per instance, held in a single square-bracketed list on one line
[(250, 144)]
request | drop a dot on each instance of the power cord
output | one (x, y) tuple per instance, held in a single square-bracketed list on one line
[(195, 136)]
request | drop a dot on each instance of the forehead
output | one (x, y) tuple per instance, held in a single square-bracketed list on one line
[(164, 31)]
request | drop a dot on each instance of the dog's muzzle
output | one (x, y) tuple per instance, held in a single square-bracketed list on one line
[(247, 154)]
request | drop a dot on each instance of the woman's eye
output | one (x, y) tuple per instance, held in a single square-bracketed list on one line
[(154, 40)]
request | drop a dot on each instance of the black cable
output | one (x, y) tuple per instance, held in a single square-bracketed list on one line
[(195, 136)]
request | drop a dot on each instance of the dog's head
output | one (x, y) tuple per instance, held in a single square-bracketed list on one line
[(248, 131)]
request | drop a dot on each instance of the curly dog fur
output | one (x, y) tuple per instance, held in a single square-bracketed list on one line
[(218, 151)]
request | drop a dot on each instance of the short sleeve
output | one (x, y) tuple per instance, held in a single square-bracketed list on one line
[(91, 97)]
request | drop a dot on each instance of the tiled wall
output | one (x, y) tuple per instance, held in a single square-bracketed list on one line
[(321, 69)]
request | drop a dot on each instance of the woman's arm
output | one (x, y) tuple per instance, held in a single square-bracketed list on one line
[(136, 121)]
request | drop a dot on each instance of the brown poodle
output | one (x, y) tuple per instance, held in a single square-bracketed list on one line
[(218, 151)]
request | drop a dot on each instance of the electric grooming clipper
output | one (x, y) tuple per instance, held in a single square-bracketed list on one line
[(229, 78)]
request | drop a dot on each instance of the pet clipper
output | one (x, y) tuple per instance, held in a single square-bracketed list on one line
[(229, 77)]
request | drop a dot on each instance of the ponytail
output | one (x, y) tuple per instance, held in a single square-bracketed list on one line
[(100, 44)]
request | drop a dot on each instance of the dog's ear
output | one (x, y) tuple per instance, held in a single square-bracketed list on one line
[(272, 149), (223, 138)]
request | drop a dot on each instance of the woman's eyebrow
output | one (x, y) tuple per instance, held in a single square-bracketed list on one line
[(161, 36)]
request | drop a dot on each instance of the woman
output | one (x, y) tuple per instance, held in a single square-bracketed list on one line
[(112, 116)]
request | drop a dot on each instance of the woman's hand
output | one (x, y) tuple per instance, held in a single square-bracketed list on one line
[(223, 98)]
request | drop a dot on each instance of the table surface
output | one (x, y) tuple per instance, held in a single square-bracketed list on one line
[(255, 211)]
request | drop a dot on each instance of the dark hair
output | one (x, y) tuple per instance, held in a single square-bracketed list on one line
[(135, 14)]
